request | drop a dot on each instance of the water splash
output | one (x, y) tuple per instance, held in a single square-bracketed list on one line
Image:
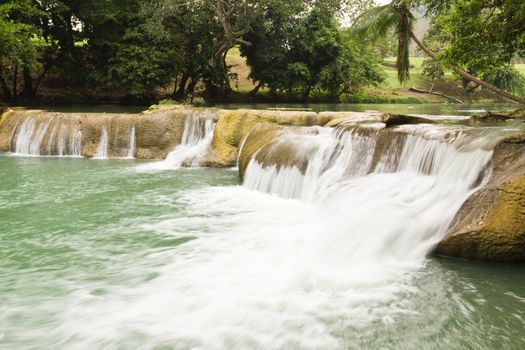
[(195, 143), (331, 266), (393, 194), (131, 144), (24, 136), (103, 146)]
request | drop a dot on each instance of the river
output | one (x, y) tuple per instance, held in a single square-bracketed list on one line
[(126, 254)]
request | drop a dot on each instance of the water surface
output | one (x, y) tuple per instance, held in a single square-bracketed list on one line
[(98, 254)]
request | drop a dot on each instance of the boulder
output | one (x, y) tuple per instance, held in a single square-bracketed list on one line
[(490, 225), (513, 114), (234, 125), (400, 119), (276, 145), (260, 135)]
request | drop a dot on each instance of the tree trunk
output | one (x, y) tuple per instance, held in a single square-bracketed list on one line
[(256, 89), (306, 93), (39, 80), (15, 83), (470, 77), (28, 84), (191, 86), (181, 91), (6, 93)]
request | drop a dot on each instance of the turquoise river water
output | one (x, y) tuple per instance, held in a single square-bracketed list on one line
[(102, 255)]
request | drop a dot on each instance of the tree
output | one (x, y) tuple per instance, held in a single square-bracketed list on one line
[(306, 54), (20, 42), (398, 16), (235, 18)]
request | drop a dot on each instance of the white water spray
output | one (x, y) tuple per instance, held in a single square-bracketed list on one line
[(397, 207), (25, 136), (103, 145), (195, 143), (323, 268), (131, 144)]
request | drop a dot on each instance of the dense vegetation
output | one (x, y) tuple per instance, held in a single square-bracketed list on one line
[(143, 50)]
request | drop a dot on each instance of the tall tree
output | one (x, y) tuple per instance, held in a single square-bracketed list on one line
[(397, 16)]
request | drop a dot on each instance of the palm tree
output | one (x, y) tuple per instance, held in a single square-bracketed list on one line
[(381, 20)]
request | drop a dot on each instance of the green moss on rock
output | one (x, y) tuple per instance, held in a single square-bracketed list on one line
[(491, 223)]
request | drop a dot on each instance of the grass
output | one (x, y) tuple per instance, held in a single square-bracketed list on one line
[(390, 91), (242, 82)]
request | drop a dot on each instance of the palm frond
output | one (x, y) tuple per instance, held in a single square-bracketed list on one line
[(377, 22)]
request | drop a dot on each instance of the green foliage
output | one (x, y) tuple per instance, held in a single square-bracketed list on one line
[(140, 69), (198, 102), (20, 42), (308, 54), (432, 69), (506, 77), (483, 33)]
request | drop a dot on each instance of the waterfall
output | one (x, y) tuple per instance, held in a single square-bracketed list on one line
[(49, 137), (394, 194), (131, 144), (61, 142), (75, 141), (195, 143), (103, 145), (24, 136)]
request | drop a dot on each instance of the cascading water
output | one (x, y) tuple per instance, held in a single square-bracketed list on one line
[(192, 260), (397, 207), (103, 146), (24, 135), (50, 137), (195, 143), (131, 144)]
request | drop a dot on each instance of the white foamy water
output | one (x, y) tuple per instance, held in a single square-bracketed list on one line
[(131, 144), (327, 258), (195, 143), (103, 146), (51, 137)]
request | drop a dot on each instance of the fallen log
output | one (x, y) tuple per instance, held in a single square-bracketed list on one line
[(421, 91)]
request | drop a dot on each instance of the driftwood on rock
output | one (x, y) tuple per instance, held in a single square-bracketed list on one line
[(421, 91), (400, 119)]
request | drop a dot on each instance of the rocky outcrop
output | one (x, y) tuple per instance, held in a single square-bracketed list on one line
[(260, 136), (157, 133), (513, 114), (233, 127), (491, 224), (400, 119)]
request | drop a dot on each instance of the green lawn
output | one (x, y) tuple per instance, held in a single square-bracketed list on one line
[(415, 73)]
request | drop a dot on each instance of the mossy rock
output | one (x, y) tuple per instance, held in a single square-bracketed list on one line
[(234, 125), (260, 136), (512, 114), (156, 133), (490, 225)]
